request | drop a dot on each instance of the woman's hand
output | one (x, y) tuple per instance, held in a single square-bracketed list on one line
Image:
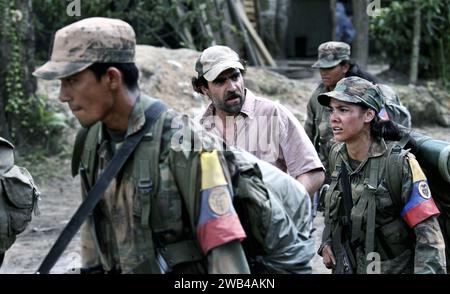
[(328, 257)]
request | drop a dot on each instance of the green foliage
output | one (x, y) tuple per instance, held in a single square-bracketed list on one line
[(156, 22), (43, 125), (32, 122), (392, 31), (13, 76)]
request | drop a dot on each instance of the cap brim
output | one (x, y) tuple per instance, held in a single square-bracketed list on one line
[(217, 69), (324, 99), (325, 64), (60, 69)]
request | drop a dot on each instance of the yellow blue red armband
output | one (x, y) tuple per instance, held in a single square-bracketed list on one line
[(218, 221), (421, 204)]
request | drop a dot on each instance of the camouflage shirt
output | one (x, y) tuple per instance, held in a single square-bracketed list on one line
[(115, 237), (402, 249), (317, 127)]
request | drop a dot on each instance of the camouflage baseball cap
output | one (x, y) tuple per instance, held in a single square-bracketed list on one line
[(214, 60), (331, 54), (354, 90), (85, 42)]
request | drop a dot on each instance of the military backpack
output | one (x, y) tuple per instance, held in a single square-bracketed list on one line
[(18, 197)]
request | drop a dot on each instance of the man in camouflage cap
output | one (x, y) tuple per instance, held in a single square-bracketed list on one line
[(139, 226), (331, 54)]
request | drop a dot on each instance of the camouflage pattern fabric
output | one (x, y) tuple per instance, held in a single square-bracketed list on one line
[(354, 90), (401, 249), (317, 127), (331, 54), (85, 42)]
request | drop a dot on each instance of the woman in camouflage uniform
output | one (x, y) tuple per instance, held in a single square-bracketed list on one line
[(367, 230)]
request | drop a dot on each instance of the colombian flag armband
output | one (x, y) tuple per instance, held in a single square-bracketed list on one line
[(420, 205), (218, 222)]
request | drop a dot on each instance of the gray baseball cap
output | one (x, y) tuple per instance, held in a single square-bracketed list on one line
[(216, 59), (331, 54), (88, 41), (354, 90)]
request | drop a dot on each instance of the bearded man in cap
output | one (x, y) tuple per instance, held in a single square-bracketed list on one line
[(141, 224), (258, 125)]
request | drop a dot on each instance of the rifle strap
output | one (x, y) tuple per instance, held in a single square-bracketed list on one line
[(78, 150), (96, 193), (347, 195)]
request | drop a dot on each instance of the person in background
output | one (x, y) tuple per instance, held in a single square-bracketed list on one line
[(344, 27), (258, 125)]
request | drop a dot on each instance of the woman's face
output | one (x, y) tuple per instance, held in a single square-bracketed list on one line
[(330, 76), (348, 120)]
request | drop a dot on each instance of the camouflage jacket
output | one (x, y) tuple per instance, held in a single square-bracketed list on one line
[(317, 127), (120, 239), (402, 249)]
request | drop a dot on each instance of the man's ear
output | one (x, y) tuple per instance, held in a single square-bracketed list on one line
[(204, 90), (345, 67), (113, 78)]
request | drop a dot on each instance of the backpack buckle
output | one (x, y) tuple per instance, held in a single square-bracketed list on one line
[(145, 186)]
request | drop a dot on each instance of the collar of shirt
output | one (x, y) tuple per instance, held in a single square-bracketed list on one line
[(135, 122), (378, 148)]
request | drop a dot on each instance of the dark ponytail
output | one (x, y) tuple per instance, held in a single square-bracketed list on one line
[(356, 71), (386, 129), (391, 131)]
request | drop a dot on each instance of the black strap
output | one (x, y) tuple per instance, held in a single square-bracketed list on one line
[(96, 193), (347, 195), (80, 139)]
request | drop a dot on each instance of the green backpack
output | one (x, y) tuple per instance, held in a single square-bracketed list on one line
[(266, 251), (434, 159), (18, 197)]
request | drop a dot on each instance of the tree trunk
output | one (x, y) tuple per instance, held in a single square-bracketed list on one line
[(414, 65), (4, 49), (333, 19), (16, 81), (360, 46)]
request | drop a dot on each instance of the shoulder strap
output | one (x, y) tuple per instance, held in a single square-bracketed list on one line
[(78, 148), (394, 164), (95, 194), (148, 170), (333, 156)]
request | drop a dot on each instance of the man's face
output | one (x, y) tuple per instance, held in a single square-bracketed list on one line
[(88, 99), (330, 76), (227, 91)]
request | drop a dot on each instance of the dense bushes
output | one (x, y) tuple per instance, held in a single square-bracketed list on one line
[(392, 31), (166, 23)]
